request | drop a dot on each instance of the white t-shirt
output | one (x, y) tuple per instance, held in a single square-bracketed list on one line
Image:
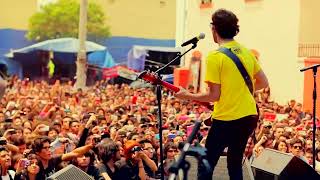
[(7, 177)]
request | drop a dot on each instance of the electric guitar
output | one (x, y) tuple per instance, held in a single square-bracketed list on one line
[(153, 79)]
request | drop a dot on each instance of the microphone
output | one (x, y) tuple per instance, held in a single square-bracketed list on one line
[(310, 67), (193, 40)]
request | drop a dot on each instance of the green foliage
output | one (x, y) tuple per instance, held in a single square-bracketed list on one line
[(61, 19)]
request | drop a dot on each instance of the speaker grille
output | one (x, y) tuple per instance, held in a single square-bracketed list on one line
[(70, 172)]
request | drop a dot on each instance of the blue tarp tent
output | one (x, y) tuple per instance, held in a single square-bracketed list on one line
[(97, 54), (64, 50)]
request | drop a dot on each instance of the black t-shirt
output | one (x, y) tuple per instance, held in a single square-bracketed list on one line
[(128, 171), (52, 166), (105, 169), (94, 172)]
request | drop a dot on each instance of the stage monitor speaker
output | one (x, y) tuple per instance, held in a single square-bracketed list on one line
[(156, 59), (220, 171), (70, 172), (275, 165)]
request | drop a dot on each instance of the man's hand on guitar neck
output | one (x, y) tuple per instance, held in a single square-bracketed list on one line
[(183, 94), (186, 95)]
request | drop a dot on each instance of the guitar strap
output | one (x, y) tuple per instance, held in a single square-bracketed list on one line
[(240, 67)]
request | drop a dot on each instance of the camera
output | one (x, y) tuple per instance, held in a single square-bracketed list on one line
[(25, 162), (136, 149)]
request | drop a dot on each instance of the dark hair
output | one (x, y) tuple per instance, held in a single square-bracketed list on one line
[(100, 109), (19, 141), (225, 23), (309, 150), (130, 136), (54, 129), (142, 142), (276, 145), (317, 151), (106, 150), (89, 154), (296, 140), (38, 143), (73, 121), (2, 148)]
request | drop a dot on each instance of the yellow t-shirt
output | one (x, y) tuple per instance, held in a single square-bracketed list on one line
[(235, 100)]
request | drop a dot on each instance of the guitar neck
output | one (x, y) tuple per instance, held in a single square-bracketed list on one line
[(177, 89)]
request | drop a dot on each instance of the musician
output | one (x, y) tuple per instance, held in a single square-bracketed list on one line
[(234, 115)]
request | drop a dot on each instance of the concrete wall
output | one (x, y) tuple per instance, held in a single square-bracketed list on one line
[(271, 27), (141, 18), (15, 14), (309, 26)]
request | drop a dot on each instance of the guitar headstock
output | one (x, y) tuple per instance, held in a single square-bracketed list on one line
[(149, 77)]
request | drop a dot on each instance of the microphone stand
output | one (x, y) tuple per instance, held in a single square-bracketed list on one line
[(196, 151), (159, 97), (314, 97)]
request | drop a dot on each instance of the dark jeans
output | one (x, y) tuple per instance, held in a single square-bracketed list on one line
[(234, 135)]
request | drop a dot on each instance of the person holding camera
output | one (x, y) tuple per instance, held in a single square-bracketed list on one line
[(29, 169), (132, 168), (149, 150), (5, 144)]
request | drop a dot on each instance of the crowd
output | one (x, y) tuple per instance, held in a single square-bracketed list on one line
[(110, 131)]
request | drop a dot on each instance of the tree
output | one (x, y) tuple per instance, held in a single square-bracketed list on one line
[(61, 19)]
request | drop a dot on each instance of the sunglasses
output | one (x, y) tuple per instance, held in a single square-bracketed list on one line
[(268, 126), (297, 147)]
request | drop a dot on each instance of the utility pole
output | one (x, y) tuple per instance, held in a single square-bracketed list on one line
[(81, 63)]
